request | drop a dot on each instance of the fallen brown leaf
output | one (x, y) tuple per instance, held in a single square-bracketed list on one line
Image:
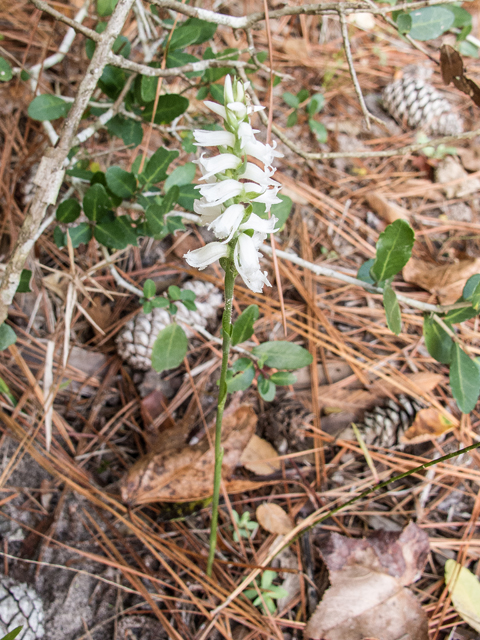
[(367, 597), (445, 281), (387, 210), (428, 425), (260, 457), (274, 519), (183, 472), (101, 314)]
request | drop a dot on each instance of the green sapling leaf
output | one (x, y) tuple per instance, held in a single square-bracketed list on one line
[(48, 107), (291, 100), (81, 234), (149, 289), (283, 355), (438, 342), (117, 234), (429, 23), (169, 107), (471, 291), (174, 292), (266, 388), (363, 273), (96, 203), (169, 348), (283, 378), (7, 336), (464, 379), (120, 182), (243, 380), (392, 309), (160, 302), (68, 210), (394, 248), (243, 326), (156, 169)]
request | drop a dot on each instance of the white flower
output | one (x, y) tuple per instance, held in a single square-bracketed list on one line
[(268, 198), (246, 261), (211, 252), (226, 225), (218, 164), (228, 90), (216, 108), (207, 212), (239, 109), (219, 192), (253, 172), (205, 138), (262, 225)]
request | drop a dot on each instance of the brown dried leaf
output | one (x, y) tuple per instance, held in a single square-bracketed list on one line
[(260, 457), (185, 473), (101, 314), (274, 519), (428, 425), (470, 158), (367, 597), (445, 281), (389, 211), (451, 63)]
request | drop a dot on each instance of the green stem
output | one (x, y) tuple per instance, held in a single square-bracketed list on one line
[(230, 275)]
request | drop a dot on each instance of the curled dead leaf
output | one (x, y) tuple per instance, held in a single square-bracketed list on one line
[(273, 518), (183, 472), (387, 210), (428, 425), (367, 597), (445, 281), (260, 457)]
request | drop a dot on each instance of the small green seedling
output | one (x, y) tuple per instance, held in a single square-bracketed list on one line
[(435, 153), (12, 634), (245, 526), (312, 107), (174, 294), (269, 592)]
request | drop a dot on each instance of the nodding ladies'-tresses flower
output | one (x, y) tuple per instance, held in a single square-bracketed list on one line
[(203, 257), (231, 184)]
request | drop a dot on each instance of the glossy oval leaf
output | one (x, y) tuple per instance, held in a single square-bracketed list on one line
[(460, 315), (47, 107), (438, 342), (169, 348), (130, 131), (117, 234), (243, 325), (394, 248), (5, 70), (81, 234), (156, 169), (7, 336), (187, 196), (392, 310), (169, 107), (192, 31), (149, 288), (68, 210), (96, 203), (429, 23), (120, 182), (283, 355), (464, 379)]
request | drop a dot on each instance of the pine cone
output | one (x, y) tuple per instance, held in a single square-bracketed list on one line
[(20, 606), (384, 426), (414, 102), (135, 341)]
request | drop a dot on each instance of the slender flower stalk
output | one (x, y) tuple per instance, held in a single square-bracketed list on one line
[(230, 184)]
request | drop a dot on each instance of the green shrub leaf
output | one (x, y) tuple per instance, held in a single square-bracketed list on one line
[(149, 289), (156, 169), (394, 248), (392, 310), (48, 107), (243, 326), (5, 70), (243, 380), (187, 196), (169, 348), (438, 342), (283, 355), (430, 22), (81, 234), (192, 31), (169, 107), (117, 234), (283, 378), (96, 203), (184, 174), (120, 182), (130, 131), (24, 284), (7, 336), (464, 379), (266, 388), (68, 210)]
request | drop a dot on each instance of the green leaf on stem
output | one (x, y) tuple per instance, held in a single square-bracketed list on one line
[(291, 99), (192, 31), (438, 342), (24, 284), (243, 326), (184, 174), (319, 130), (174, 292), (169, 107), (283, 378), (460, 315), (392, 309), (5, 70), (471, 290), (68, 210), (429, 23), (48, 107), (266, 388), (117, 234), (120, 182), (96, 203), (363, 273), (394, 248), (154, 215), (149, 288), (130, 131), (283, 355), (464, 379), (242, 380), (13, 634), (169, 348), (156, 169), (7, 336), (187, 196)]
